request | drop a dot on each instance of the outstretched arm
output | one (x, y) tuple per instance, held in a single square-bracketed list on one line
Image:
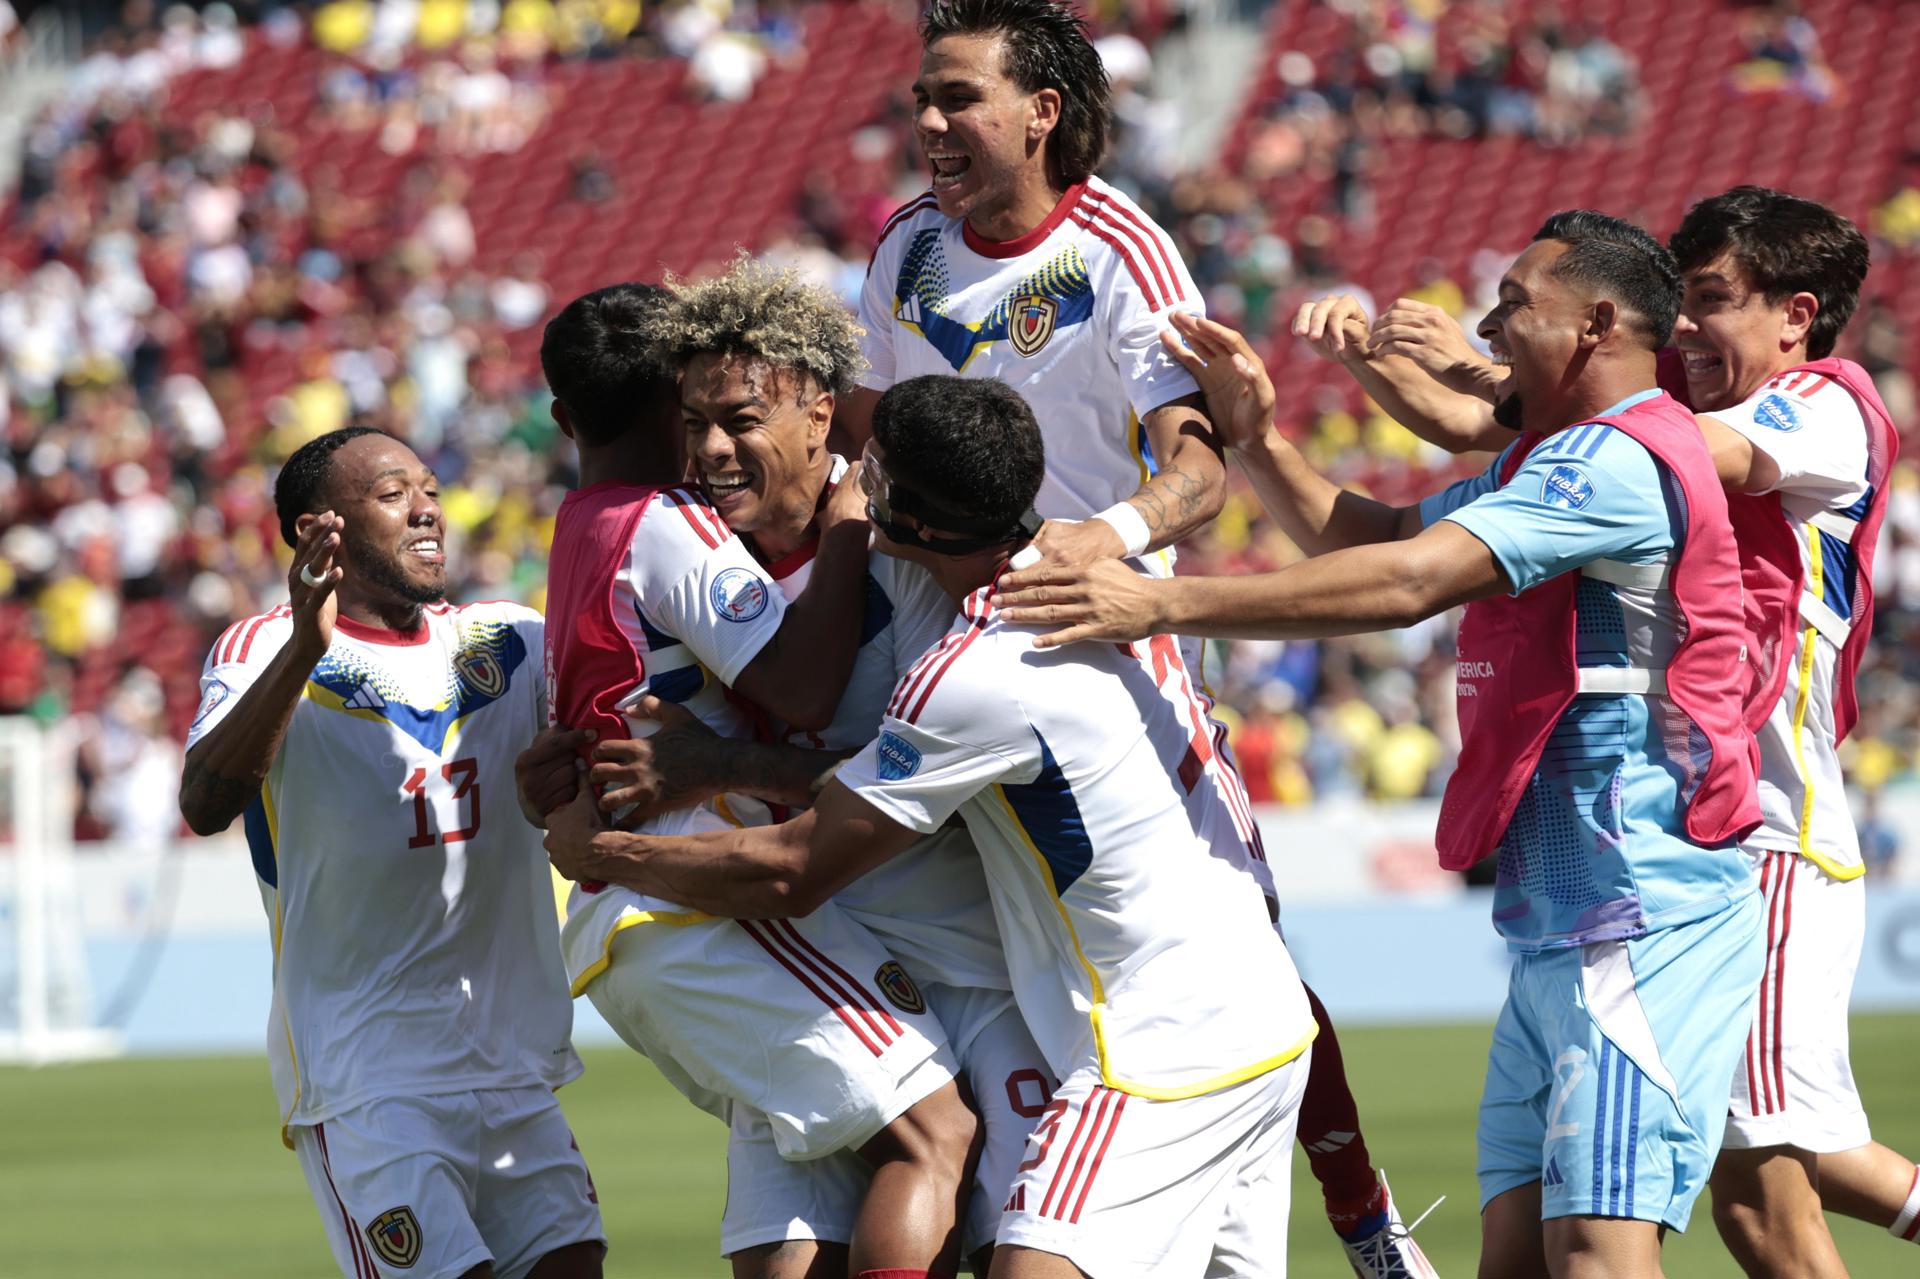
[(756, 872), (1415, 363), (1344, 592), (1315, 512)]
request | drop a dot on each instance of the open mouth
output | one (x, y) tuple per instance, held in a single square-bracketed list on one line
[(428, 550), (1702, 364), (948, 168), (721, 488)]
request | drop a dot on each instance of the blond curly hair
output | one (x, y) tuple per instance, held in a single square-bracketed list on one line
[(765, 313)]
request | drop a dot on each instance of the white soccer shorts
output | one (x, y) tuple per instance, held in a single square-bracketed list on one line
[(770, 1199), (808, 1021), (426, 1187), (1794, 1086), (1121, 1185)]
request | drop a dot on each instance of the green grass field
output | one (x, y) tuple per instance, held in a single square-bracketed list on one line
[(166, 1168)]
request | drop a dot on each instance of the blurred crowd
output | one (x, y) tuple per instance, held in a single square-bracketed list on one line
[(148, 258)]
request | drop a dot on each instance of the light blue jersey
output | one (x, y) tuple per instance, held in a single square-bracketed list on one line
[(1597, 847)]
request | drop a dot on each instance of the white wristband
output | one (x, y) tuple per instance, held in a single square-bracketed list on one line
[(1125, 519)]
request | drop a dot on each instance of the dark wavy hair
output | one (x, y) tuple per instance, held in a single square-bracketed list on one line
[(1623, 262), (1786, 245), (600, 363), (1046, 48)]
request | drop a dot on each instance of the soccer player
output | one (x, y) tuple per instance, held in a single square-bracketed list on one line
[(790, 1029), (1604, 758), (1021, 264), (929, 906), (364, 732), (1112, 853), (1805, 447)]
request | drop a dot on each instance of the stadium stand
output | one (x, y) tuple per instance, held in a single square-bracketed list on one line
[(232, 236)]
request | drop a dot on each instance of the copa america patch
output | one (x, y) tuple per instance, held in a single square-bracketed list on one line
[(395, 1235), (899, 758), (739, 595), (899, 989), (1566, 486), (1777, 413), (216, 694)]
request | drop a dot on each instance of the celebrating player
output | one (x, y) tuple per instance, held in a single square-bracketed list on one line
[(365, 733), (1112, 852), (1020, 264), (1632, 916), (1804, 446), (929, 906), (790, 1030)]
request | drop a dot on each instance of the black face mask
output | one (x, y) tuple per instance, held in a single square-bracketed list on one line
[(887, 498)]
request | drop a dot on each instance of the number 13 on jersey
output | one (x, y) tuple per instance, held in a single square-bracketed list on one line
[(458, 780)]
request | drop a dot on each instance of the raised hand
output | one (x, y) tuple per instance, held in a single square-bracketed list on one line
[(311, 580), (1233, 377), (1432, 339), (1334, 326)]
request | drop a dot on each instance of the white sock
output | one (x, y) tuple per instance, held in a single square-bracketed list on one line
[(1907, 1224)]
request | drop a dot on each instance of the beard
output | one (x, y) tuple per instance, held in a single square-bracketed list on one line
[(1507, 412), (384, 572)]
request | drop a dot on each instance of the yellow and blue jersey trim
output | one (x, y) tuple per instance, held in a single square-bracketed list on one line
[(921, 297)]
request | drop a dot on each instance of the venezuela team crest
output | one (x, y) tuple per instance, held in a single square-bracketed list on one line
[(899, 989), (395, 1235), (482, 671), (1030, 320)]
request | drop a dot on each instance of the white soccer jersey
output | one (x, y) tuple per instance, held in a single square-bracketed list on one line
[(414, 939), (929, 905), (1136, 938), (1069, 315), (1813, 430), (655, 590)]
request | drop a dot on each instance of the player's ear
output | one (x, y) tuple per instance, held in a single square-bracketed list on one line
[(1798, 319), (562, 419), (301, 523), (819, 419), (1602, 318), (1045, 114)]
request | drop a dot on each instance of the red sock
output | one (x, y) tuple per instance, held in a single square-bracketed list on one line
[(1330, 1132)]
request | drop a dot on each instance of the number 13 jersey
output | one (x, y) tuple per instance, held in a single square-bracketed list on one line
[(415, 937)]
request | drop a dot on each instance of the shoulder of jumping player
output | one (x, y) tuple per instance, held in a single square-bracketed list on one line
[(1127, 246), (923, 209)]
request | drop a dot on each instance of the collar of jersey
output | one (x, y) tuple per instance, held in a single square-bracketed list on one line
[(380, 635), (1024, 243)]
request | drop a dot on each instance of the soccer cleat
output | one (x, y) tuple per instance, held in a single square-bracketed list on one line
[(1389, 1252)]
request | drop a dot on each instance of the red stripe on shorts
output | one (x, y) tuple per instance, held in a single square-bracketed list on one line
[(1113, 1126), (800, 975), (1780, 983), (1066, 1155), (861, 994), (361, 1261)]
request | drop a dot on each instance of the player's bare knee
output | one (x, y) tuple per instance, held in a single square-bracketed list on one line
[(939, 1132)]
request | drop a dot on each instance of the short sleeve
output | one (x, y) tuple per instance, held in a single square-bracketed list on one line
[(876, 312), (1148, 283), (1460, 492), (237, 659), (1812, 428), (919, 778), (699, 584), (1589, 493)]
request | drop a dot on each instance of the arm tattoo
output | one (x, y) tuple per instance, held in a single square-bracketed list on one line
[(1188, 495)]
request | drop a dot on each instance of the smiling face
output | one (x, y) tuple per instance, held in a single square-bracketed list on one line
[(1536, 327), (757, 438), (1732, 338), (394, 548), (983, 136)]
